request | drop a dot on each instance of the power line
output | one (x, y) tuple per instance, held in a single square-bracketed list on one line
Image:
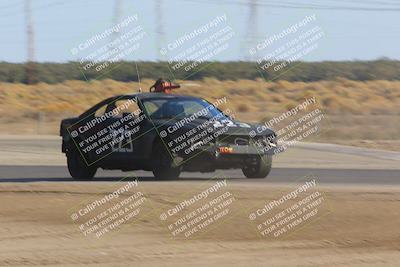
[(295, 5), (370, 2), (18, 4), (45, 6)]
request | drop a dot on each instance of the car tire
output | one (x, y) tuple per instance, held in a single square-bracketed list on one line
[(163, 167), (260, 169), (78, 168)]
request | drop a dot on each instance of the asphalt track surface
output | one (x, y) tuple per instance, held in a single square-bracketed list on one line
[(38, 159), (277, 175)]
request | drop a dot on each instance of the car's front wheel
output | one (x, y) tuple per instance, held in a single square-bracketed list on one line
[(163, 166), (78, 168), (259, 168)]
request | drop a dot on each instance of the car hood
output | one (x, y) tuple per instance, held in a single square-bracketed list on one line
[(233, 127)]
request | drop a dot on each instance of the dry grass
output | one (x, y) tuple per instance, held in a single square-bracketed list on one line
[(357, 110), (337, 97)]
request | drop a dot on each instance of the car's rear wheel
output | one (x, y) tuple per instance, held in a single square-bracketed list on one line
[(163, 165), (78, 168), (259, 168)]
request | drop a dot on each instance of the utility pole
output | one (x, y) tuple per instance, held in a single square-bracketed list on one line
[(252, 29), (159, 27), (30, 43), (116, 17)]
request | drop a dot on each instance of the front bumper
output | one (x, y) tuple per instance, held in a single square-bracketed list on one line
[(210, 158), (231, 149), (248, 150)]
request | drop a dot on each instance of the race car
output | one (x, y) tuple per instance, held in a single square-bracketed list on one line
[(164, 133)]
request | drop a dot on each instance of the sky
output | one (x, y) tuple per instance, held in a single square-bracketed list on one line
[(352, 30)]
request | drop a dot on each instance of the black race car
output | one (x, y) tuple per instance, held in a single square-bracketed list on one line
[(165, 134)]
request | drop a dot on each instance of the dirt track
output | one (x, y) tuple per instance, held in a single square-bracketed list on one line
[(361, 228)]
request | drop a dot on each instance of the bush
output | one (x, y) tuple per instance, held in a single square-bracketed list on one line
[(126, 71)]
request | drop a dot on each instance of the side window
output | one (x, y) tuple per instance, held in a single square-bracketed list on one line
[(121, 107), (192, 107), (100, 111), (151, 107)]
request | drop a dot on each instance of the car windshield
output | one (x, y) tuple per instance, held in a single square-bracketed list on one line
[(178, 108)]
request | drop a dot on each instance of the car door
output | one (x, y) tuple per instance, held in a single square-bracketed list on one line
[(125, 126), (101, 129)]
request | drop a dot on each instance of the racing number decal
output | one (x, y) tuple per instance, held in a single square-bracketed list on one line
[(243, 125), (217, 124), (229, 123), (223, 123), (119, 139)]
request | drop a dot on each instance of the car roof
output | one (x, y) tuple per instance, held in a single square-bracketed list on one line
[(142, 96)]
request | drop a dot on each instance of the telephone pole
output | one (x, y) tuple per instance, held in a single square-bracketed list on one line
[(159, 27), (116, 17), (30, 43), (252, 29)]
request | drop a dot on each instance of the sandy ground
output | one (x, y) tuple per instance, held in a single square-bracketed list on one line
[(392, 145), (355, 227)]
